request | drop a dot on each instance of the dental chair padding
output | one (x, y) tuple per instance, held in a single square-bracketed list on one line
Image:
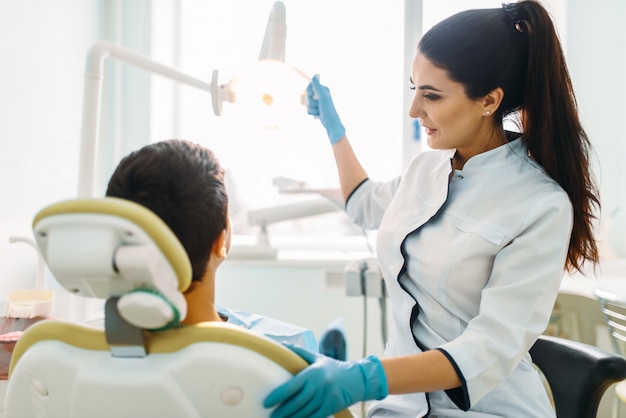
[(65, 369), (147, 220), (170, 341), (210, 369), (111, 247)]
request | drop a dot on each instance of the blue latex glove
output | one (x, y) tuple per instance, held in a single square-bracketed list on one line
[(327, 386), (320, 104)]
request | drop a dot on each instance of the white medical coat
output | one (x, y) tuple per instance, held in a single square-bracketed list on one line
[(472, 266)]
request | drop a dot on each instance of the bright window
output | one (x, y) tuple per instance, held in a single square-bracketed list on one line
[(357, 49)]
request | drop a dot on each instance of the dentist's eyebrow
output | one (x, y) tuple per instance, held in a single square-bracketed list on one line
[(428, 87)]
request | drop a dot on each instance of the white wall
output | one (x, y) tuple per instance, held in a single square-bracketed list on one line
[(596, 54), (310, 294), (43, 46)]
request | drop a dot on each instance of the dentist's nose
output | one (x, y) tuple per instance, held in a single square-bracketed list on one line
[(416, 111)]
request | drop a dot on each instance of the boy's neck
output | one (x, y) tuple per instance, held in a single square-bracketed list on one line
[(200, 299)]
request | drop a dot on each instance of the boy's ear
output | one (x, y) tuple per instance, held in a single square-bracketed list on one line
[(220, 247)]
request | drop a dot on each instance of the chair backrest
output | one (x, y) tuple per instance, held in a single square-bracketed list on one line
[(578, 374), (613, 308), (142, 363), (63, 369)]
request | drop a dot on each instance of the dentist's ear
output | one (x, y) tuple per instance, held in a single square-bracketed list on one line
[(491, 102)]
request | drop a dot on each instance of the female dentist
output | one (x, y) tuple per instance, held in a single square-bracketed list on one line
[(474, 237)]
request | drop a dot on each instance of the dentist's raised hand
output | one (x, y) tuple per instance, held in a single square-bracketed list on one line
[(320, 104), (327, 386)]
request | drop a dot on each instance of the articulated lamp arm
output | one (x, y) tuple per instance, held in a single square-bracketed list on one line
[(94, 75), (273, 49)]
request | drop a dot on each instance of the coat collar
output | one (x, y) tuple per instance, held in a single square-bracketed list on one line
[(495, 157)]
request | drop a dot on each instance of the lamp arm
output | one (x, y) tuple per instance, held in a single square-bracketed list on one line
[(94, 75), (279, 213)]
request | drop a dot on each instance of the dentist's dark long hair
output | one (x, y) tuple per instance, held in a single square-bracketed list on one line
[(516, 47)]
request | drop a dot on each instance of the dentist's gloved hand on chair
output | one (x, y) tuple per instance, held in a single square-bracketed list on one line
[(320, 104), (327, 386)]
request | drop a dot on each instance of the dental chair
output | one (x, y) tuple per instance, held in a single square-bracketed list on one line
[(142, 363)]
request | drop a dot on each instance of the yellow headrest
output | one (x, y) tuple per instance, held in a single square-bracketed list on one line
[(154, 226)]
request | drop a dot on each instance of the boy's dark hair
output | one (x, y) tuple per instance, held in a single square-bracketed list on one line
[(183, 183)]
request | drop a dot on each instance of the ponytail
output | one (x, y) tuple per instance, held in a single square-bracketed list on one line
[(553, 131)]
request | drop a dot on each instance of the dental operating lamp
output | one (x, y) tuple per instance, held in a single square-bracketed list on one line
[(269, 68), (271, 58)]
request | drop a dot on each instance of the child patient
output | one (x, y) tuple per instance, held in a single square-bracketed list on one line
[(183, 183)]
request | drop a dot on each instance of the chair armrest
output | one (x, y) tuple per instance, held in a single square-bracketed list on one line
[(578, 373)]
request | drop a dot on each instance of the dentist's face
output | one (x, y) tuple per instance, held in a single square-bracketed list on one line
[(451, 119)]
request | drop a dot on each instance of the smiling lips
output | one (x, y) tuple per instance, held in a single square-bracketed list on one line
[(429, 131)]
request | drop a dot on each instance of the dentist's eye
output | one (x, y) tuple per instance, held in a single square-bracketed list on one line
[(431, 96)]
